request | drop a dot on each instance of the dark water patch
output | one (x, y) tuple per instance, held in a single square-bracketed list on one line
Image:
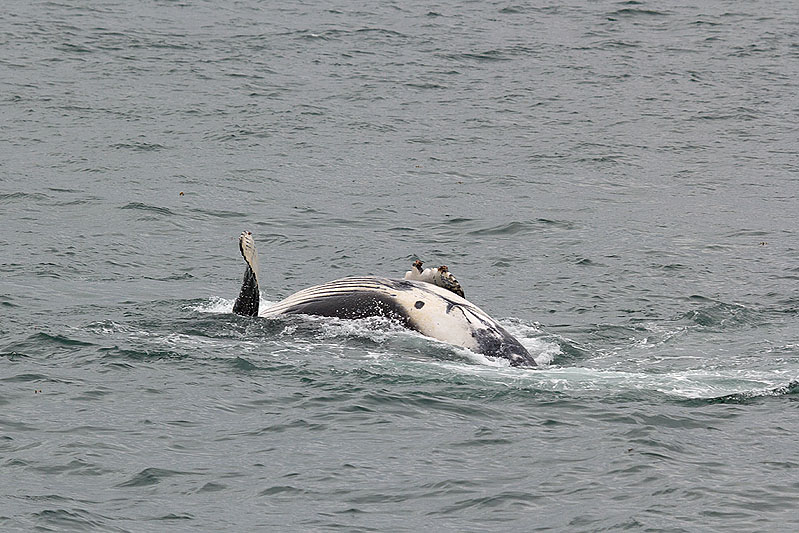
[(139, 146), (26, 378), (416, 403), (76, 467), (559, 224), (181, 276), (24, 197), (486, 56), (60, 189), (239, 363), (617, 44), (745, 232), (510, 228), (212, 487), (46, 344), (76, 202), (636, 12), (73, 48), (299, 424), (16, 425), (183, 423), (175, 516), (460, 220), (491, 443), (86, 430), (93, 395), (7, 301), (219, 214), (720, 315), (523, 227), (790, 390), (149, 208), (16, 463), (74, 519), (142, 354), (284, 490), (570, 351), (513, 499), (151, 476), (382, 32), (420, 85)]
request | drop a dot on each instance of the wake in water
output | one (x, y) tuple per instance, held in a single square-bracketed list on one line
[(384, 340), (381, 330)]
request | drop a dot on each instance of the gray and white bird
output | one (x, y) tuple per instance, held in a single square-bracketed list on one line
[(440, 276), (444, 278)]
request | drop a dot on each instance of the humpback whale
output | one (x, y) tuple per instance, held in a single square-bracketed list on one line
[(426, 307)]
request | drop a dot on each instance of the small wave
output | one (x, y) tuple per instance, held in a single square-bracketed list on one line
[(510, 228), (23, 197), (26, 378), (637, 12), (721, 315), (219, 214), (6, 301), (239, 363), (115, 352), (139, 146), (489, 55), (172, 277), (146, 207), (150, 476), (107, 327), (791, 388), (529, 226), (56, 340), (74, 519)]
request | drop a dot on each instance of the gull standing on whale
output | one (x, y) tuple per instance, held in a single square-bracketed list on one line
[(440, 276)]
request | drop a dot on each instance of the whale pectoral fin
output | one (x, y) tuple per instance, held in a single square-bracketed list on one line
[(249, 296), (249, 299)]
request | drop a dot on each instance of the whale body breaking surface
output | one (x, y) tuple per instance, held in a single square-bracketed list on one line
[(424, 307)]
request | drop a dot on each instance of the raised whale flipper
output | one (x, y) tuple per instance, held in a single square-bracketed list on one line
[(249, 297)]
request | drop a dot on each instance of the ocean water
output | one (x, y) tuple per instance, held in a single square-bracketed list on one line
[(615, 182)]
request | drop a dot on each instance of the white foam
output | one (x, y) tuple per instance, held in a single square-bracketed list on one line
[(684, 384), (376, 329), (219, 305), (543, 351), (215, 305)]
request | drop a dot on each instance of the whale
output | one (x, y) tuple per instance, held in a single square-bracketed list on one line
[(429, 309)]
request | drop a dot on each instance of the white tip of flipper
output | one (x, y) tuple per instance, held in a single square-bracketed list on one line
[(248, 252)]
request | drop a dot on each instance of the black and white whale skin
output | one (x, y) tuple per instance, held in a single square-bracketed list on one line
[(431, 310)]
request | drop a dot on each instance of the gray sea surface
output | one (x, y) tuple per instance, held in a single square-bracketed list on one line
[(615, 182)]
